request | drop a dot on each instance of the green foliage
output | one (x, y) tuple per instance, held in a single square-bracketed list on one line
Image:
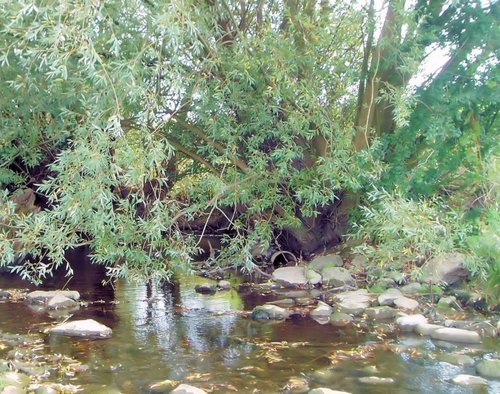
[(142, 125), (430, 289), (397, 230), (453, 124)]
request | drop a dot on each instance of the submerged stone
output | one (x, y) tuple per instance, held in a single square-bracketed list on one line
[(163, 386), (456, 359), (375, 380), (269, 312), (13, 390), (187, 389), (469, 380), (82, 328), (296, 385), (15, 379), (323, 390), (41, 297), (489, 368), (60, 301)]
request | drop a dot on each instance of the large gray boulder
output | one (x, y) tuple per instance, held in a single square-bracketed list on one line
[(456, 335), (82, 328), (337, 277), (291, 276), (448, 269), (328, 261)]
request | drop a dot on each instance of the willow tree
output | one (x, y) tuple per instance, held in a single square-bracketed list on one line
[(140, 128)]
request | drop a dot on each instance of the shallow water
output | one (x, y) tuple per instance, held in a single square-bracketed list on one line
[(170, 332)]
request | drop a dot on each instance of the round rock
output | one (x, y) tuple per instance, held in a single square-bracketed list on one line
[(410, 322), (469, 380), (489, 368), (82, 328), (187, 389)]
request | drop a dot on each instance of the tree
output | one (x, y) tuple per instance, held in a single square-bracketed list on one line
[(144, 126)]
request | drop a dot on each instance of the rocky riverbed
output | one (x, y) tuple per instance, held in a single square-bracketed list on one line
[(313, 328)]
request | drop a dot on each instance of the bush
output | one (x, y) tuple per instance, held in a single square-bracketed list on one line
[(397, 230)]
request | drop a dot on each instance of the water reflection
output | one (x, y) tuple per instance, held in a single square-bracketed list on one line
[(164, 331)]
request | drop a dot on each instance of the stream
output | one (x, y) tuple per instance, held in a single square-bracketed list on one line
[(166, 332)]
